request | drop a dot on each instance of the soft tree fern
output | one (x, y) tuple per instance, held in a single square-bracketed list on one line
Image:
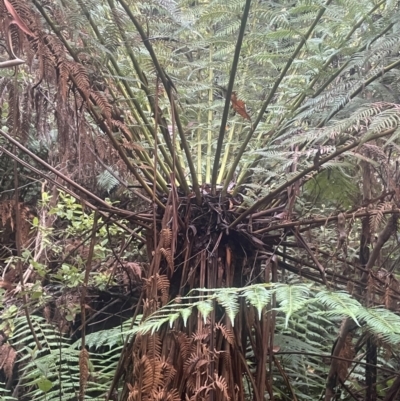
[(250, 150)]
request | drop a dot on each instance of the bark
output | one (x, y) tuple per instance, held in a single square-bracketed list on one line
[(383, 237), (332, 380), (370, 370)]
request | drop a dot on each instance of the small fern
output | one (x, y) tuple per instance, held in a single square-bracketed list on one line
[(54, 372)]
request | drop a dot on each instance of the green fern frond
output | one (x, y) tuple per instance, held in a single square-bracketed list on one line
[(339, 304), (382, 322), (107, 181), (291, 298), (229, 300)]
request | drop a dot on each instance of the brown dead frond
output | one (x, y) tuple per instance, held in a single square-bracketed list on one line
[(8, 217), (227, 333), (158, 285), (342, 234), (195, 364), (163, 287), (135, 268), (378, 217), (80, 76), (153, 346), (6, 213), (165, 238), (201, 334), (151, 375), (102, 102), (173, 395), (168, 371), (347, 352), (221, 385), (128, 144), (8, 356), (83, 369), (390, 286), (226, 357), (133, 393), (165, 395), (167, 253), (184, 343)]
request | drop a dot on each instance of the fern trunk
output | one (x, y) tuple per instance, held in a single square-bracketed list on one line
[(201, 356)]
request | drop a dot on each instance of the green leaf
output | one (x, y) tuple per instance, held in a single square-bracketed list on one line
[(205, 308), (44, 384), (291, 298), (382, 322), (185, 313), (172, 318), (258, 296), (339, 304), (228, 298)]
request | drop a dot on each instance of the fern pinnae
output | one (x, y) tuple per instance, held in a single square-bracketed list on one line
[(205, 308), (291, 299), (229, 300), (381, 322), (339, 303), (257, 296)]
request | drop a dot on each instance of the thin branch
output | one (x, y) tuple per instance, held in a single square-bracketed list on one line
[(19, 254), (82, 382)]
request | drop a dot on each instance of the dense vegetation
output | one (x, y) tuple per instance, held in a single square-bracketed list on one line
[(199, 200)]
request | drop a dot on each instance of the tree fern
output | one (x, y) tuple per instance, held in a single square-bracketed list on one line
[(148, 86)]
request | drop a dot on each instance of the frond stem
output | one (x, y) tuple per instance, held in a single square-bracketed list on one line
[(168, 90), (306, 171), (199, 153), (232, 76), (226, 152), (271, 95), (210, 119), (150, 98), (91, 109)]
